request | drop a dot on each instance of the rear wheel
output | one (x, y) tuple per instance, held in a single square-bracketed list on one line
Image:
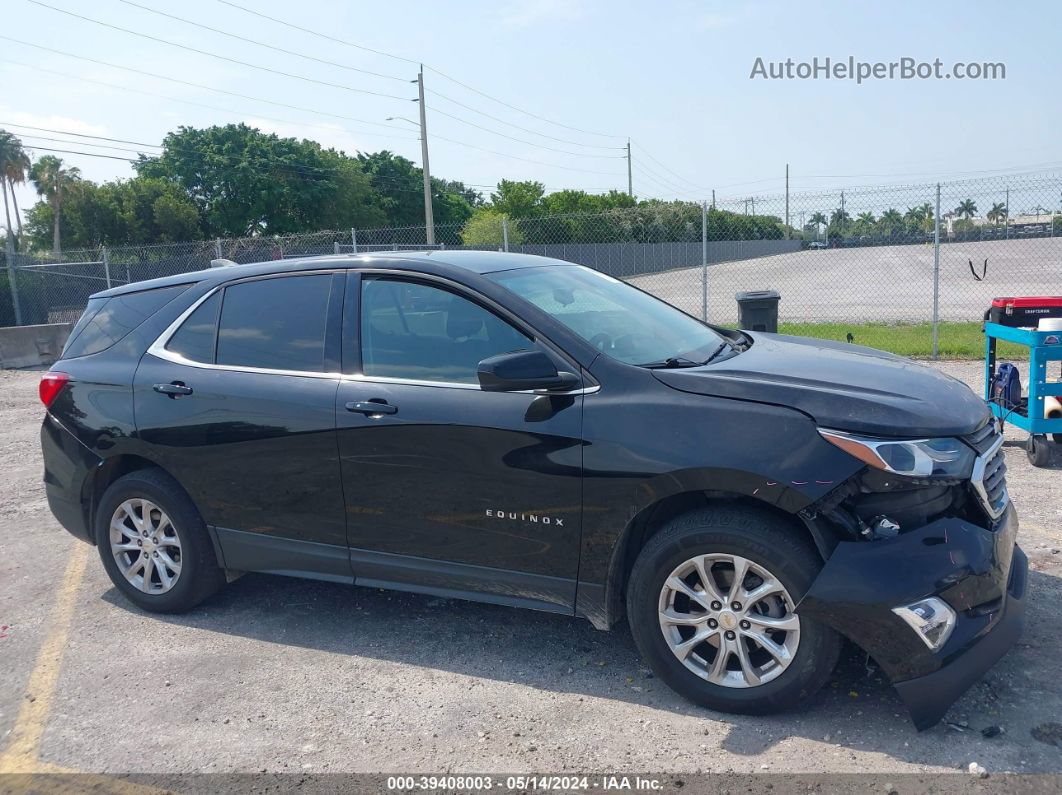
[(154, 545), (711, 606)]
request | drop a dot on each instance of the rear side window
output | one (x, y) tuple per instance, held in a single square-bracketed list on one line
[(194, 340), (112, 318), (277, 324)]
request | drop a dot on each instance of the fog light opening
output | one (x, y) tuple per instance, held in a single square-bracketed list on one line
[(930, 618)]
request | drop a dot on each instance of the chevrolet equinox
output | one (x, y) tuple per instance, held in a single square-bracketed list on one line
[(525, 431)]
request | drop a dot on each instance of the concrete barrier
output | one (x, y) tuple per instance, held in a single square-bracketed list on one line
[(32, 346)]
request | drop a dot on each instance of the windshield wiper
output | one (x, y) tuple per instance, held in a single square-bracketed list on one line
[(671, 363), (722, 347)]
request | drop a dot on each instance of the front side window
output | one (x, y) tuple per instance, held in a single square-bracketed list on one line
[(276, 324), (424, 333), (616, 318)]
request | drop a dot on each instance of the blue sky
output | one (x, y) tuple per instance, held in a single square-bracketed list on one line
[(672, 76)]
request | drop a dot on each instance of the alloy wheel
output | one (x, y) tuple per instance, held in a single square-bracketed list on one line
[(146, 546), (729, 620)]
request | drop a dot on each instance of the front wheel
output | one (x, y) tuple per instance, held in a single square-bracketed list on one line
[(711, 604), (154, 545)]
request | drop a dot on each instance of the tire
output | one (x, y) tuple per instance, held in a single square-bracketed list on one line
[(771, 547), (1038, 449), (183, 540)]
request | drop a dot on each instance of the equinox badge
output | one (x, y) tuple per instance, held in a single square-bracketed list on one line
[(534, 518)]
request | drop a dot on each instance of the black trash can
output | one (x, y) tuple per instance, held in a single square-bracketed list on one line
[(758, 310)]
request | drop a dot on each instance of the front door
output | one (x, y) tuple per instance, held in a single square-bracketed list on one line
[(451, 489)]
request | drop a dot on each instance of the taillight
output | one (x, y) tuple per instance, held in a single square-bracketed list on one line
[(51, 385)]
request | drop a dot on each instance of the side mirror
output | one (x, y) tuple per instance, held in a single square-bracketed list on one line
[(523, 370)]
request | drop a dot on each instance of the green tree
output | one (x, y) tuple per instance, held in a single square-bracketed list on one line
[(399, 185), (518, 199), (246, 182), (484, 229), (140, 210), (967, 209), (52, 180), (14, 167), (997, 214), (890, 223)]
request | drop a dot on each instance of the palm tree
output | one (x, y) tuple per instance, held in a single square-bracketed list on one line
[(967, 209), (890, 222), (817, 219), (10, 147), (997, 213), (14, 165), (52, 180)]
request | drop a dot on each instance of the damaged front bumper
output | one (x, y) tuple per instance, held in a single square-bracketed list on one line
[(979, 572)]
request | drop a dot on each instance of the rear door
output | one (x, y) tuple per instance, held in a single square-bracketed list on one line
[(449, 488), (237, 401)]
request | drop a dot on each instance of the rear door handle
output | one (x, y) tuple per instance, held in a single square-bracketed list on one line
[(174, 389), (371, 407)]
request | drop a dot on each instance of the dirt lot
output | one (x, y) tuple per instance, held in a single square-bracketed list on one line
[(285, 675)]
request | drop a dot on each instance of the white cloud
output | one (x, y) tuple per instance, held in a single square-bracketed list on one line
[(52, 121)]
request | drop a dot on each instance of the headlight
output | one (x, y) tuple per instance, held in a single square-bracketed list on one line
[(920, 458), (931, 618)]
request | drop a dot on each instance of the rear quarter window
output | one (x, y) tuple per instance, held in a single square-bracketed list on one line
[(107, 320)]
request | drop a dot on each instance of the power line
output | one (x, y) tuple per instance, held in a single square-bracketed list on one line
[(518, 140), (315, 33), (217, 55), (198, 85), (262, 44), (517, 126), (228, 111), (526, 160), (412, 61), (668, 170), (668, 185)]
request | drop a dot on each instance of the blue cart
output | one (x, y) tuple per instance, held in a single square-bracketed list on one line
[(1044, 347)]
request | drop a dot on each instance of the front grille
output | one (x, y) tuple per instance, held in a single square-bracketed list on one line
[(989, 478), (995, 482), (983, 439)]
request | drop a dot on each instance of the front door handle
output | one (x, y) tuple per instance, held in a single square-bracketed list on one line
[(174, 389), (370, 407)]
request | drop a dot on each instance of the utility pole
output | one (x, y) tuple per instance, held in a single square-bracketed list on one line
[(786, 201), (630, 178), (429, 217), (713, 198)]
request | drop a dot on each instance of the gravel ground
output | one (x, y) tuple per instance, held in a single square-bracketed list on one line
[(284, 675), (894, 284)]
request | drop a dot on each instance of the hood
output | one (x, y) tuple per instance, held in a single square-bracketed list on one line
[(848, 387)]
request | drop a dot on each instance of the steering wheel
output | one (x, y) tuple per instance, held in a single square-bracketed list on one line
[(601, 341)]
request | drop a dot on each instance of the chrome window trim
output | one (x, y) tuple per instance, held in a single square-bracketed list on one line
[(158, 350), (977, 480)]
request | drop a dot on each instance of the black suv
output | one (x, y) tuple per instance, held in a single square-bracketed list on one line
[(525, 431)]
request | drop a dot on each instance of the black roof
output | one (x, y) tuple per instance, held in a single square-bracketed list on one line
[(437, 261)]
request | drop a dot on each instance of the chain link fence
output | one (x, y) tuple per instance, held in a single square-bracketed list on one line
[(865, 263)]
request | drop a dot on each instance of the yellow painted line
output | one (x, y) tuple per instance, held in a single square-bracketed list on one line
[(22, 752)]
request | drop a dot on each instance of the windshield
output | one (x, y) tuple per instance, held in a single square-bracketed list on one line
[(614, 317)]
